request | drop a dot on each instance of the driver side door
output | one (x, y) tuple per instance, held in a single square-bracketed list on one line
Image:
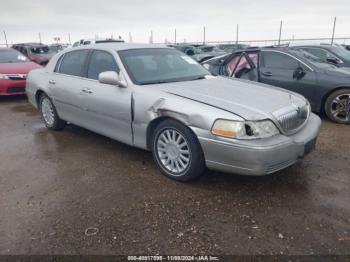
[(107, 107), (278, 69)]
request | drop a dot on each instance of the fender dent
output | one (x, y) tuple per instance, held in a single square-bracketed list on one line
[(159, 109)]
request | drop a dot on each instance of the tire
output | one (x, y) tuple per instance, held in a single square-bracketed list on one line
[(49, 114), (337, 106), (181, 158)]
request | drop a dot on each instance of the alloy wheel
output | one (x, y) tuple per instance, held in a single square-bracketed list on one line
[(173, 151), (47, 111), (340, 107)]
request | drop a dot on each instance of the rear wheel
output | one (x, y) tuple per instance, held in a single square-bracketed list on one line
[(49, 114), (337, 106), (177, 152)]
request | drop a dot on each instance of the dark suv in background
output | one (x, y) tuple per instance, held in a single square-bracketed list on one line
[(326, 86), (36, 52)]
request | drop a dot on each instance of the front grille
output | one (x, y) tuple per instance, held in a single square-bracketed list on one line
[(16, 89), (291, 118)]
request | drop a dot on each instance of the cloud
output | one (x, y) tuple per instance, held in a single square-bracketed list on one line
[(23, 20)]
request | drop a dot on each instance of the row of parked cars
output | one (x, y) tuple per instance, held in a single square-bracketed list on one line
[(255, 120), (321, 73), (16, 62)]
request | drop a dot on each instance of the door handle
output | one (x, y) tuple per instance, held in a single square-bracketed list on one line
[(87, 90), (52, 82), (266, 73)]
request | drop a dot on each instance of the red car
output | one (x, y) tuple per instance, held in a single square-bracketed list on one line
[(14, 68), (36, 52)]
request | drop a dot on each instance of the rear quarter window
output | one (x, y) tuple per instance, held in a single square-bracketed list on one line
[(72, 63)]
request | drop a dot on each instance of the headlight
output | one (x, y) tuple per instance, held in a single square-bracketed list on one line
[(244, 130), (3, 76)]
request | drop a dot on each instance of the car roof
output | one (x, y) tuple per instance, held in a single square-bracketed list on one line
[(121, 46), (30, 44), (7, 48), (321, 45)]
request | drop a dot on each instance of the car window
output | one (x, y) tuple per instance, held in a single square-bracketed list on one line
[(73, 63), (101, 61), (278, 60), (57, 66), (40, 50), (341, 52), (23, 50), (239, 65), (8, 55), (320, 53)]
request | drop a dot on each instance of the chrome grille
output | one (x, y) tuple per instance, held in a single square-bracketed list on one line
[(291, 118), (17, 76)]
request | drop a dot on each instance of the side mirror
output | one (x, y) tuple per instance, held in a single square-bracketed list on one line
[(110, 78), (333, 60), (299, 73)]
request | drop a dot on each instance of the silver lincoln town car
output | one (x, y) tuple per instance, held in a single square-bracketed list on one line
[(157, 98)]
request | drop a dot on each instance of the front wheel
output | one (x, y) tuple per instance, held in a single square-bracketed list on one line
[(177, 152), (337, 106), (49, 114)]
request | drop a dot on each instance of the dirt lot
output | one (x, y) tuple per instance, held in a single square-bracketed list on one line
[(76, 192)]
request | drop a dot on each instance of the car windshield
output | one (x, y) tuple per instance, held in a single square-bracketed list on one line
[(341, 52), (316, 61), (55, 48), (208, 48), (160, 65), (232, 47), (40, 50), (11, 56)]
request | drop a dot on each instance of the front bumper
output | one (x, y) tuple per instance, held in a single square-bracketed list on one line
[(260, 156), (12, 87)]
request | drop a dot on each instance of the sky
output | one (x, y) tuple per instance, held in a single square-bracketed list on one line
[(23, 20)]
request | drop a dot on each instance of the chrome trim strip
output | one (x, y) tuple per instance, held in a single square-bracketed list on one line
[(227, 165), (243, 146)]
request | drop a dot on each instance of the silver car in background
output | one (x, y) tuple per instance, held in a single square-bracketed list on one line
[(157, 98)]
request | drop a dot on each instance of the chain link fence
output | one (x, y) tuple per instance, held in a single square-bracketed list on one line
[(269, 42)]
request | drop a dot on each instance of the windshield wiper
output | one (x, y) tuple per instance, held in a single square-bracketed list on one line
[(160, 82), (198, 78)]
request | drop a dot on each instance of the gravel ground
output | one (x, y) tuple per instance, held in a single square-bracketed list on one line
[(76, 192)]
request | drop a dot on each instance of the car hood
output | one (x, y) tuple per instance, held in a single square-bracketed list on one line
[(250, 100), (17, 68)]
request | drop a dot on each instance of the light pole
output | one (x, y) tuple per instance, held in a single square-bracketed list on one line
[(334, 23), (279, 38), (6, 39), (204, 35)]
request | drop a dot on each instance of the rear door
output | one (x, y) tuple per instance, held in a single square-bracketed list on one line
[(278, 69), (244, 65), (107, 107), (66, 84)]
